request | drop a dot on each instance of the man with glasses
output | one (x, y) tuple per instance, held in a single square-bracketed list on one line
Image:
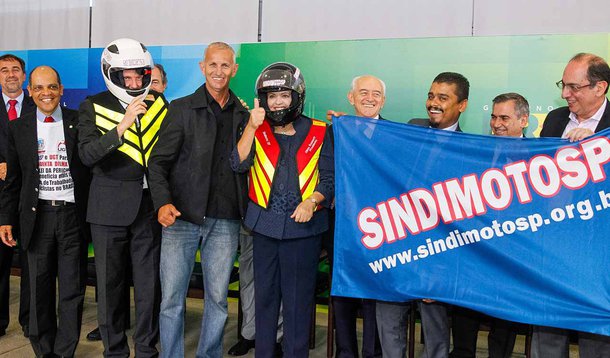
[(584, 86)]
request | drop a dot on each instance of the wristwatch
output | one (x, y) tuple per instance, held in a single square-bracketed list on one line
[(313, 200)]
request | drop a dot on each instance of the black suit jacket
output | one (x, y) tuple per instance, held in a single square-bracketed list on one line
[(557, 120), (19, 199), (28, 106), (181, 161), (117, 182), (425, 122)]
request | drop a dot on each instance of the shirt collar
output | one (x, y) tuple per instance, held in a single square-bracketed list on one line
[(19, 99), (594, 118), (452, 128), (57, 115), (212, 100)]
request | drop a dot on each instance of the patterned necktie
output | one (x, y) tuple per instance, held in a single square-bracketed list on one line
[(49, 119), (12, 109)]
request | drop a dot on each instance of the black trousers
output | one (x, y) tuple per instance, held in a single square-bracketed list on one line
[(141, 241), (57, 250), (6, 260), (284, 272), (465, 330), (346, 312)]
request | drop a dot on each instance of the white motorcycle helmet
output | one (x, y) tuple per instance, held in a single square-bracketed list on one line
[(126, 54)]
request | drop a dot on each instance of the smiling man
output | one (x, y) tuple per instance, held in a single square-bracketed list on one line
[(509, 115), (447, 100), (200, 201), (367, 96), (584, 86), (48, 180)]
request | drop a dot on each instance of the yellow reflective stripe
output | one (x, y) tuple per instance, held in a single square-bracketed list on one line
[(147, 154), (115, 116), (260, 198), (150, 114), (318, 123), (132, 152), (310, 167), (152, 128), (104, 124), (264, 184), (107, 120), (265, 161), (131, 137), (311, 187)]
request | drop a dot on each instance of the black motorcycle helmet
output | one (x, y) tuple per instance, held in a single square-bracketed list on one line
[(281, 76)]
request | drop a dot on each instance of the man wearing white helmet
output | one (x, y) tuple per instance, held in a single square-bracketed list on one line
[(117, 131)]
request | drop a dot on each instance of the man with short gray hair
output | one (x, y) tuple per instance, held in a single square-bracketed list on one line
[(200, 201), (367, 96)]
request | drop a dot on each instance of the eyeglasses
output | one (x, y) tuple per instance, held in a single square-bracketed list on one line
[(572, 87)]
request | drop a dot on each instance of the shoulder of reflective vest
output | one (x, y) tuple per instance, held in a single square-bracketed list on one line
[(140, 138)]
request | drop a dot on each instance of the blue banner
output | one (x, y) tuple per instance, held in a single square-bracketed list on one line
[(516, 228)]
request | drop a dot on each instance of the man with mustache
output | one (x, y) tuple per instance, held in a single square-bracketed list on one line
[(447, 99), (15, 104)]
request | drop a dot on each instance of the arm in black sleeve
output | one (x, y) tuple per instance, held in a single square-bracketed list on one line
[(93, 146), (164, 155), (9, 198)]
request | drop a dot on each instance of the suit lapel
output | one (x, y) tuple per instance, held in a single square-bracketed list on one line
[(69, 122), (29, 134), (604, 122), (3, 112)]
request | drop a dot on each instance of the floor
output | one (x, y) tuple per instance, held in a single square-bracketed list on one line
[(14, 345)]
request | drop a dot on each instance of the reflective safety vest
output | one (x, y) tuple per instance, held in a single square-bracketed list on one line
[(267, 155), (138, 140)]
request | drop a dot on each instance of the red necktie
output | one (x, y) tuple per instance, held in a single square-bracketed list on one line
[(49, 119), (12, 109)]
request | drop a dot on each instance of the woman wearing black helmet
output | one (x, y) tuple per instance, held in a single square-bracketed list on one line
[(290, 159)]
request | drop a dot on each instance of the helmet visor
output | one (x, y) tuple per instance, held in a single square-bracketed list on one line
[(136, 79), (278, 79)]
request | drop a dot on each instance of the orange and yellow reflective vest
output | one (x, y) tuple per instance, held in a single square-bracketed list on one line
[(267, 153)]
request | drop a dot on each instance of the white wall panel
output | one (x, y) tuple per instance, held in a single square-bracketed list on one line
[(527, 17), (318, 20), (175, 22), (43, 24)]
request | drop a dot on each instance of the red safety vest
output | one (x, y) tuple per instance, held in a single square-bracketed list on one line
[(267, 155)]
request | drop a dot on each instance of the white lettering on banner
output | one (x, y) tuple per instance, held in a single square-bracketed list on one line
[(583, 210), (457, 199)]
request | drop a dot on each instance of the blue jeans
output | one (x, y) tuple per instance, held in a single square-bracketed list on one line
[(217, 240)]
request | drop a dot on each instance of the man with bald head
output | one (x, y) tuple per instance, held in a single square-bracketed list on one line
[(46, 179), (367, 96)]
